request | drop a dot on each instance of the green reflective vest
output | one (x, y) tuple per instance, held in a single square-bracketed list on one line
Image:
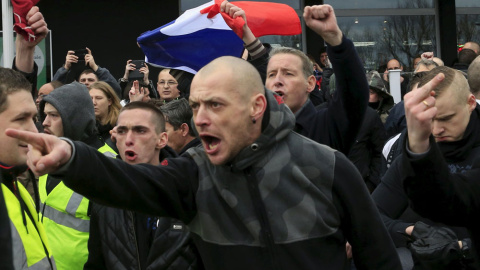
[(64, 214), (27, 242)]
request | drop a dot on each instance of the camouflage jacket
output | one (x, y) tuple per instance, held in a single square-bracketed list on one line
[(284, 202)]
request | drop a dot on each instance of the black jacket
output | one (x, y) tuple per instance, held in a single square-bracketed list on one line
[(443, 196), (123, 239), (366, 153), (6, 257), (391, 198), (338, 124), (235, 211)]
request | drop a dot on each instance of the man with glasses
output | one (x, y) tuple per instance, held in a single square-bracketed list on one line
[(173, 84)]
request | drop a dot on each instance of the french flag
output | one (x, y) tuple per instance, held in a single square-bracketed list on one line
[(204, 33)]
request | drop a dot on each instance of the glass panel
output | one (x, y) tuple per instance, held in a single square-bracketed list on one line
[(379, 39), (286, 41), (468, 26), (371, 4), (467, 3)]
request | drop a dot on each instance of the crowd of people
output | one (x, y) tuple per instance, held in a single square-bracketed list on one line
[(267, 162)]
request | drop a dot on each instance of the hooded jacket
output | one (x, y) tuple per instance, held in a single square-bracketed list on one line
[(284, 202), (375, 82), (75, 107), (73, 103)]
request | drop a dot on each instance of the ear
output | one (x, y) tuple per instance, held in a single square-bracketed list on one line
[(311, 82), (472, 102), (185, 129), (259, 105), (162, 140), (109, 101)]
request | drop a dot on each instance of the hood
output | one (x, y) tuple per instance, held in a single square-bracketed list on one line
[(75, 106), (375, 82), (277, 123)]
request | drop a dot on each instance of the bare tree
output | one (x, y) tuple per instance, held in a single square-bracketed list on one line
[(466, 28), (405, 37)]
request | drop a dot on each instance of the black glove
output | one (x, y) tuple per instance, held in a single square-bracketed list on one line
[(435, 248)]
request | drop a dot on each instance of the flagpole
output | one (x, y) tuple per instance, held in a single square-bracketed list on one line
[(7, 23)]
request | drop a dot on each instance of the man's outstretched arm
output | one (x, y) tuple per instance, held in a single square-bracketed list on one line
[(166, 190)]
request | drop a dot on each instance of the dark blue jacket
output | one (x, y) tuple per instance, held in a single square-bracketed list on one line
[(338, 124)]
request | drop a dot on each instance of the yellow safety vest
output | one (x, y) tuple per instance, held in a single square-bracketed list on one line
[(64, 214), (27, 241)]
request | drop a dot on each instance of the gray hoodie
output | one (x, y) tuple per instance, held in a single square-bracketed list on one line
[(75, 106)]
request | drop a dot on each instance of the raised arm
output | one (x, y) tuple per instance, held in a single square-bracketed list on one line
[(349, 103), (25, 49)]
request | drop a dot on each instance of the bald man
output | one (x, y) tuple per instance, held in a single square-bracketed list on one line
[(474, 78), (472, 45), (394, 64), (256, 196)]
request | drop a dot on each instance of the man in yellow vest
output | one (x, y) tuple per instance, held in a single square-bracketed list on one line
[(23, 243), (68, 112)]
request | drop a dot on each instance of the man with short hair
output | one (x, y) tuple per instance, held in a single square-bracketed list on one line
[(90, 75), (455, 128), (394, 64), (87, 77), (473, 76), (178, 115), (22, 236), (324, 58), (256, 194), (434, 190), (289, 74), (68, 112), (142, 241), (465, 58), (250, 191), (46, 89)]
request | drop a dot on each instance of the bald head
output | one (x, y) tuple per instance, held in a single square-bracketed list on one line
[(240, 73), (394, 64), (474, 46), (228, 103), (474, 77)]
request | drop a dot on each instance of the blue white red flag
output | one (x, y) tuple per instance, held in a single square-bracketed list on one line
[(190, 42), (202, 34)]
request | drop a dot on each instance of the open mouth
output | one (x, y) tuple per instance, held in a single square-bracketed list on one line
[(130, 155), (210, 143), (280, 93)]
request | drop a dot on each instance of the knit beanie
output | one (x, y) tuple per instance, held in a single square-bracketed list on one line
[(75, 106)]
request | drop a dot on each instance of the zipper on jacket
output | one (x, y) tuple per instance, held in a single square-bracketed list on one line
[(132, 216), (259, 207)]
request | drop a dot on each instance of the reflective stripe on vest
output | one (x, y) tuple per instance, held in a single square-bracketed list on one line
[(64, 214), (65, 219), (27, 246)]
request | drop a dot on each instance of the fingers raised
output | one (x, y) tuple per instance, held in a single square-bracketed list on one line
[(32, 138)]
